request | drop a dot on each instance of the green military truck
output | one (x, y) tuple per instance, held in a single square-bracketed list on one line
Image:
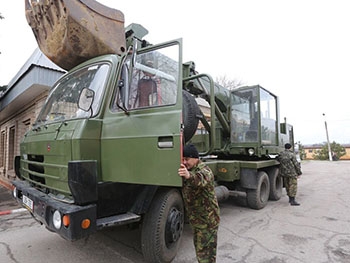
[(106, 146)]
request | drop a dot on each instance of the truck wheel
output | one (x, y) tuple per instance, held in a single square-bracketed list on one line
[(190, 110), (276, 185), (257, 198), (162, 227)]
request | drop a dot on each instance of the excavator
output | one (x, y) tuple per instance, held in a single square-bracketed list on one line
[(105, 149)]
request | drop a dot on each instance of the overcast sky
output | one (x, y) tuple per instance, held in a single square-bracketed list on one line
[(299, 50)]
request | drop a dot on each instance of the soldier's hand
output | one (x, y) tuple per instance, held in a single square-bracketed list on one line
[(183, 172)]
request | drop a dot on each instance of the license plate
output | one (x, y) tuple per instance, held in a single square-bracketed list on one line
[(28, 202)]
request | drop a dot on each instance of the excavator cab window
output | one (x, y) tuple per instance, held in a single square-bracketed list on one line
[(268, 108), (254, 116), (244, 116)]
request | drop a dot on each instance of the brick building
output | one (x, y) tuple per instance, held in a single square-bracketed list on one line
[(20, 103), (310, 151)]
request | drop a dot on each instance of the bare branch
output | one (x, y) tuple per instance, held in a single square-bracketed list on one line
[(228, 83)]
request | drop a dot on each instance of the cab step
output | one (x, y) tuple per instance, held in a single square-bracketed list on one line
[(117, 220)]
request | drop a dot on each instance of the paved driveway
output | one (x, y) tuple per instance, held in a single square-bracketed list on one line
[(318, 231)]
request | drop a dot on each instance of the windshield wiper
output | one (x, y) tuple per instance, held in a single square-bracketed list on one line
[(58, 129)]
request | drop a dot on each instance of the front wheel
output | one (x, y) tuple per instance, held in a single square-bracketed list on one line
[(257, 198), (162, 227)]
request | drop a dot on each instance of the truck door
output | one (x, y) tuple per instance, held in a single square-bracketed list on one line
[(141, 134)]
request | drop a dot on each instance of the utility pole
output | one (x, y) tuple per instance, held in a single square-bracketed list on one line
[(329, 146)]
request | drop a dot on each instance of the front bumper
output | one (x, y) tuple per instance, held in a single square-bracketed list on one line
[(42, 207)]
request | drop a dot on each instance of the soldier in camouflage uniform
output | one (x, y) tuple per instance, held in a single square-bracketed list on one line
[(290, 171), (201, 204)]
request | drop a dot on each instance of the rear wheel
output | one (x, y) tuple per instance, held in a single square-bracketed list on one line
[(162, 227), (258, 198), (276, 184)]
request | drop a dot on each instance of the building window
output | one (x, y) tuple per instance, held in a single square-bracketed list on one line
[(11, 148), (27, 124), (24, 128), (2, 148)]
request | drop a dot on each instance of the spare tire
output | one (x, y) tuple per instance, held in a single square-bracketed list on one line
[(190, 113)]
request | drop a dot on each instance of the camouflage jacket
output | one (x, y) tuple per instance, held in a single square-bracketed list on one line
[(289, 166), (200, 199)]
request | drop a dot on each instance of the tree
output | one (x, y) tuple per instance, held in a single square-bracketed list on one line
[(228, 83), (336, 149)]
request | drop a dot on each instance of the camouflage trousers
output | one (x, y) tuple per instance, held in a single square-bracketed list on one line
[(291, 184), (205, 242)]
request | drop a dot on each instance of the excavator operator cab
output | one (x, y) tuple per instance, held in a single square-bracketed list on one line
[(254, 116)]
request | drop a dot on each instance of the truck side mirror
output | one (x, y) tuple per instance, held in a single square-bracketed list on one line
[(86, 99)]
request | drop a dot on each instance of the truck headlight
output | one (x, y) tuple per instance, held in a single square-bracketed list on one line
[(251, 151), (57, 220), (15, 192)]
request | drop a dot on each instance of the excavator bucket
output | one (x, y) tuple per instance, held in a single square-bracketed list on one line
[(69, 32)]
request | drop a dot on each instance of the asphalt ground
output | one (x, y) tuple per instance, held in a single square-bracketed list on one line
[(317, 231), (7, 202)]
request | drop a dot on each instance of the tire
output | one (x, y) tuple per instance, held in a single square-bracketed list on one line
[(240, 201), (276, 184), (190, 112), (162, 227), (258, 198)]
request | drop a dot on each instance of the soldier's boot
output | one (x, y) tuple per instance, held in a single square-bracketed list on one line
[(293, 202), (290, 199)]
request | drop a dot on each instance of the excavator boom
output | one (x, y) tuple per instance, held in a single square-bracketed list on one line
[(69, 32)]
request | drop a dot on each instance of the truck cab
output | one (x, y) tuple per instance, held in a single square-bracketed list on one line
[(106, 147)]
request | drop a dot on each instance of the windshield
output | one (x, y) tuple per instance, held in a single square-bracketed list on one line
[(62, 102)]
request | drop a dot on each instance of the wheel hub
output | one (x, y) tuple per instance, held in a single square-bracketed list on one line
[(174, 226)]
